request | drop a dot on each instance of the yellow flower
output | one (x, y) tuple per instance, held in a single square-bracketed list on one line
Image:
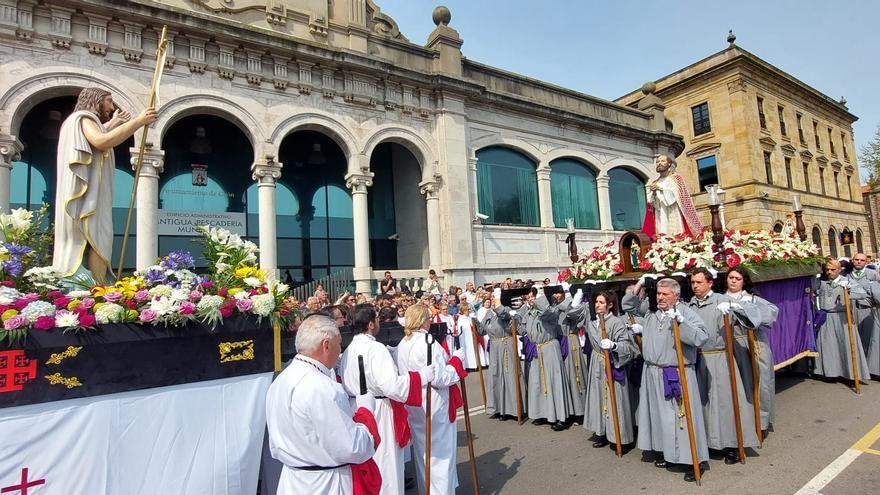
[(73, 304), (97, 306), (260, 274), (244, 271), (235, 290), (100, 290), (9, 313), (131, 315)]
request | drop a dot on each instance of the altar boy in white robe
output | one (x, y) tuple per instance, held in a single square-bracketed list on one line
[(392, 392), (326, 447)]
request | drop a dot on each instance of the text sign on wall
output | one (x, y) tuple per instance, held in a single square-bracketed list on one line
[(172, 222)]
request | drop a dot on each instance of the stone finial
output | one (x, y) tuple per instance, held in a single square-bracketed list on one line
[(842, 101), (731, 38), (441, 16), (649, 87)]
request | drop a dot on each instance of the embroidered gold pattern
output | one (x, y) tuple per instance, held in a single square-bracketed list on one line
[(69, 382), (236, 351), (71, 351)]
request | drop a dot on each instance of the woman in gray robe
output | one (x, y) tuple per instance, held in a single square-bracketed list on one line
[(501, 386), (546, 381), (833, 341)]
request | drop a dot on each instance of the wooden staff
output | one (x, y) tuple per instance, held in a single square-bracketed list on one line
[(756, 385), (685, 397), (139, 159), (519, 406), (612, 395), (467, 423), (429, 339), (734, 392), (479, 362), (638, 338), (852, 340)]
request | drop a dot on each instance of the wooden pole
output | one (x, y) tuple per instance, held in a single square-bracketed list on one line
[(467, 425), (852, 341), (756, 385), (139, 159), (479, 361), (519, 406), (685, 397), (612, 395), (734, 391), (428, 392), (638, 338)]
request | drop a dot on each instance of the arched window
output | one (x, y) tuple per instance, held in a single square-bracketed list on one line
[(507, 187), (333, 208), (860, 247), (626, 192), (832, 243), (777, 227), (573, 189), (179, 194), (286, 208), (817, 239), (28, 187)]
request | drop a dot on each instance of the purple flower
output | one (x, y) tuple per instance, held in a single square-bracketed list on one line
[(178, 260), (87, 303), (195, 296), (12, 267), (112, 296), (147, 315), (142, 295), (15, 250), (244, 305), (155, 276), (16, 322)]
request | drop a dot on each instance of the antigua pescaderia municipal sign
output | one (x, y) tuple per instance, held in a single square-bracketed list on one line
[(184, 223)]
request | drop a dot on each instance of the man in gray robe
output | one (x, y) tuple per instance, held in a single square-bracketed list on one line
[(501, 400), (662, 426), (867, 312), (574, 362), (546, 380), (833, 341), (713, 374)]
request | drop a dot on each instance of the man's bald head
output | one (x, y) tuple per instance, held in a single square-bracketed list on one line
[(859, 261)]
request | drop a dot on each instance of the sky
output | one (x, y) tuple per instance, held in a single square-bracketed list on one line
[(609, 48)]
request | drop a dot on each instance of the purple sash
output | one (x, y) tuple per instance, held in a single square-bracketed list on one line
[(671, 383), (563, 346), (618, 374), (529, 349)]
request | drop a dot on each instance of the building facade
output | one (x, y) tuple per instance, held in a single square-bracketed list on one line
[(318, 130), (763, 135)]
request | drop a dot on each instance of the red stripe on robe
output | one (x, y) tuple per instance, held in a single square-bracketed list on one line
[(399, 414), (455, 398), (365, 477)]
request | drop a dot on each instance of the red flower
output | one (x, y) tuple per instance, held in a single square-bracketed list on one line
[(733, 260), (563, 275), (19, 304), (644, 264), (617, 268), (222, 292), (54, 294), (61, 302), (44, 323), (226, 311), (609, 244), (8, 283), (208, 284), (86, 320), (131, 304)]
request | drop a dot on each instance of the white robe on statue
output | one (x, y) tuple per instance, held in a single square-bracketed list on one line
[(310, 424), (412, 355), (382, 381), (83, 197), (665, 200)]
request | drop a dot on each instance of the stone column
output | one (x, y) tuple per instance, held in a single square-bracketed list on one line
[(545, 197), (266, 173), (604, 202), (147, 204), (10, 151), (363, 273), (431, 190)]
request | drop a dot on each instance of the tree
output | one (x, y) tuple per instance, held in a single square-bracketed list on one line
[(870, 158)]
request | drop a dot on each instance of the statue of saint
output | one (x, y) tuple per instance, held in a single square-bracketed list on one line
[(84, 190), (670, 209)]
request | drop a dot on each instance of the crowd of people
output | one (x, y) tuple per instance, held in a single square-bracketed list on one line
[(555, 356)]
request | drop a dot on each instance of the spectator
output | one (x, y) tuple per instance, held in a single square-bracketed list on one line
[(387, 285)]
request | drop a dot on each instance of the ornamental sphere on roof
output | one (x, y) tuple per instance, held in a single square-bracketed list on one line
[(441, 15)]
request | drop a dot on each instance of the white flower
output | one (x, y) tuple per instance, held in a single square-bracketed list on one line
[(79, 294), (8, 295), (252, 281), (210, 302), (37, 309), (264, 304), (66, 319), (19, 219), (178, 295), (163, 306), (222, 267), (109, 313), (241, 295), (161, 291), (44, 276)]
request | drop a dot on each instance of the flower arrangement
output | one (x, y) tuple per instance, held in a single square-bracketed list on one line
[(600, 263)]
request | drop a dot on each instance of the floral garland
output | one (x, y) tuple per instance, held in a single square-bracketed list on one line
[(600, 263), (169, 293)]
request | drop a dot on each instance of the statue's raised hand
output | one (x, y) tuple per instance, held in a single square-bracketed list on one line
[(148, 116)]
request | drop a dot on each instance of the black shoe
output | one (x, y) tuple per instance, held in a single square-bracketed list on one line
[(409, 483), (559, 426), (731, 457), (601, 442), (495, 416), (578, 420), (660, 463), (506, 417), (540, 422), (691, 477)]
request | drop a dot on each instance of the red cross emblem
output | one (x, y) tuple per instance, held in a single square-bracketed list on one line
[(22, 487), (15, 371)]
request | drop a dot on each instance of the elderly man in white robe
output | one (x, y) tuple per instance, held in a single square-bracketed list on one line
[(311, 430), (84, 189), (392, 392)]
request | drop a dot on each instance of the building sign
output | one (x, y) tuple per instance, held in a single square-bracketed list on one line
[(184, 223)]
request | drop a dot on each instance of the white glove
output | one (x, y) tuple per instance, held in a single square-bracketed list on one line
[(367, 401), (678, 274), (607, 344), (578, 299), (540, 295), (427, 373), (724, 307), (842, 282), (497, 294), (714, 272), (635, 328), (678, 316), (512, 313), (735, 305), (591, 282), (459, 354), (566, 286), (642, 279)]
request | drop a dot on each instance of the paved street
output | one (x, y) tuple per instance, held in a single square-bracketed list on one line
[(817, 424)]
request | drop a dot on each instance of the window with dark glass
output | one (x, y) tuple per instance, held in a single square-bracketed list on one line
[(816, 134), (843, 145), (822, 180), (761, 117), (781, 121), (860, 247), (831, 142), (707, 168), (806, 176), (507, 187), (817, 239), (768, 167), (700, 114), (573, 189), (801, 130), (832, 243), (837, 183), (788, 172), (849, 186), (626, 193)]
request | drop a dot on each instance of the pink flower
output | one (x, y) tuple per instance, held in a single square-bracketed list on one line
[(44, 322), (187, 308), (112, 296), (19, 304), (223, 291), (54, 294), (208, 284), (142, 295), (195, 296), (61, 302), (8, 283), (31, 297), (147, 315), (244, 305), (86, 320), (87, 303), (16, 322)]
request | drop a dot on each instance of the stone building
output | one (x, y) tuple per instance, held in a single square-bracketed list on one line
[(871, 199), (763, 135), (319, 130)]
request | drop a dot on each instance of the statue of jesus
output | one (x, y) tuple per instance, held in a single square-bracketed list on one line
[(670, 209), (84, 190)]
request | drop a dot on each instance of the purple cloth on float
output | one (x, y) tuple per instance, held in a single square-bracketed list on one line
[(793, 332), (529, 349), (563, 346), (671, 383)]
